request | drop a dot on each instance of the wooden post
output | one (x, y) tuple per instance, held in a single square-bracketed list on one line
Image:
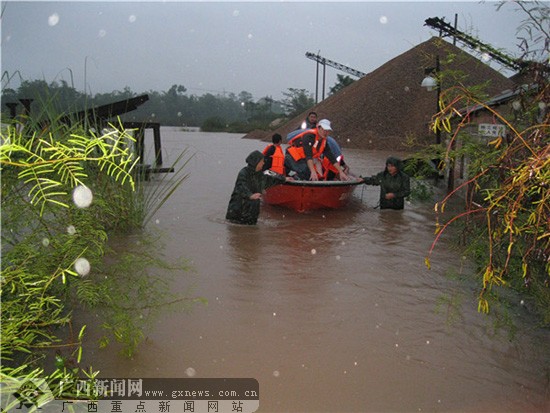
[(140, 142), (156, 137)]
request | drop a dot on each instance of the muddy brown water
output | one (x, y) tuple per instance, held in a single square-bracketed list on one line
[(330, 311)]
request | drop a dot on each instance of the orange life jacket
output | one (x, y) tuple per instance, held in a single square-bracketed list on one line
[(296, 150), (327, 166), (277, 159)]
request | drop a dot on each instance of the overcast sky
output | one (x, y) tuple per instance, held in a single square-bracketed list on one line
[(218, 47)]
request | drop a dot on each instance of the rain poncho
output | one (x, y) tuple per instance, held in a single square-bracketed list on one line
[(399, 184), (242, 209)]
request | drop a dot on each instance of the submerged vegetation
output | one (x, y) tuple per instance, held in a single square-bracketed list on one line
[(66, 190)]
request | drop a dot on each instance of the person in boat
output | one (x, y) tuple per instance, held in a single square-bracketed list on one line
[(394, 184), (303, 156), (329, 170), (310, 122), (244, 204), (274, 155)]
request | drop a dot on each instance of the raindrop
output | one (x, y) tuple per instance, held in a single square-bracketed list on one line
[(383, 19), (179, 114), (274, 314), (102, 33), (522, 302), (45, 242), (250, 35), (236, 13), (132, 18), (82, 266), (157, 221), (82, 196), (53, 19), (71, 230), (338, 258), (407, 89), (190, 371), (276, 373), (313, 251), (485, 57), (396, 345), (427, 341)]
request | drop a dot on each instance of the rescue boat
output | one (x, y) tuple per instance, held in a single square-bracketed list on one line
[(303, 196)]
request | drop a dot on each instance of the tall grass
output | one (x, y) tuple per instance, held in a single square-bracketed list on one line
[(54, 247)]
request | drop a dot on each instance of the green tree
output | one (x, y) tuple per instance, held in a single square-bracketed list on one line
[(297, 101), (173, 107), (343, 81), (245, 97)]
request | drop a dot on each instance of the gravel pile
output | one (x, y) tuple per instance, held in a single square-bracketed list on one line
[(387, 108)]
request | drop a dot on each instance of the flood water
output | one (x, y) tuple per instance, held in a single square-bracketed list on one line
[(330, 311)]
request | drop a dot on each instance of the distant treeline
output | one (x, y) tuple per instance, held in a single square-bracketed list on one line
[(173, 107)]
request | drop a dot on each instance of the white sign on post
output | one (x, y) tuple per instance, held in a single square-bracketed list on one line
[(491, 130)]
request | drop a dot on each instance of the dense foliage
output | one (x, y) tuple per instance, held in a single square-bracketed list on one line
[(506, 220), (173, 107), (65, 190)]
